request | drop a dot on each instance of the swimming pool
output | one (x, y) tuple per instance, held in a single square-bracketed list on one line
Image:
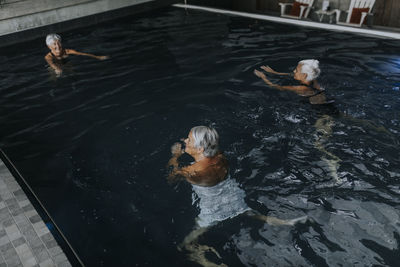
[(94, 143)]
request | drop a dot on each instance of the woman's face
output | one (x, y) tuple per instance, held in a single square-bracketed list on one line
[(56, 48), (298, 75), (189, 144)]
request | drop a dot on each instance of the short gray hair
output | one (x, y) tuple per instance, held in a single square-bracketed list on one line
[(311, 68), (51, 38), (206, 138)]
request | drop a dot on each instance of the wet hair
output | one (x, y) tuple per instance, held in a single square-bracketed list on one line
[(311, 68), (206, 138), (51, 38)]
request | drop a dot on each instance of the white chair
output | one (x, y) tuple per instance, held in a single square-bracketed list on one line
[(305, 7), (357, 13)]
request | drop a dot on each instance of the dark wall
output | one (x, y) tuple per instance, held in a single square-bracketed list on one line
[(264, 6), (387, 13)]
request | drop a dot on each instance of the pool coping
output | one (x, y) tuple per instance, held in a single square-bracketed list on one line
[(25, 239), (305, 23), (37, 25)]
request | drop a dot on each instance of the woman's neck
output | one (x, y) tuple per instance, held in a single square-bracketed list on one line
[(61, 54), (308, 83), (199, 157)]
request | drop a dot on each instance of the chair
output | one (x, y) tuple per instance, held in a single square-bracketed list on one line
[(300, 9), (358, 11)]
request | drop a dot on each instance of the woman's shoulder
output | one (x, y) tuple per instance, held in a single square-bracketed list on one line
[(220, 159), (48, 56)]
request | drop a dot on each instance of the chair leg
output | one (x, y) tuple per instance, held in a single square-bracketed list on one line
[(283, 10), (320, 17), (337, 11), (302, 8), (307, 12), (363, 16)]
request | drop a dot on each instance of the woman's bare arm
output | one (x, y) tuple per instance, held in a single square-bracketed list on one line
[(300, 89), (50, 61), (74, 52), (188, 173), (270, 70), (195, 176), (176, 151), (191, 174)]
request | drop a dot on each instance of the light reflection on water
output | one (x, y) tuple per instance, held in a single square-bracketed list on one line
[(95, 142)]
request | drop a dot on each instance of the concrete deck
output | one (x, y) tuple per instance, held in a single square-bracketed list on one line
[(306, 23), (29, 14), (21, 20), (19, 8), (25, 239)]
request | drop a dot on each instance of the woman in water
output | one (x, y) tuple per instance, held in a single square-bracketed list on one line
[(306, 73), (219, 196), (57, 55)]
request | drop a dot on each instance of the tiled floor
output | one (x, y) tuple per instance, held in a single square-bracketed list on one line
[(24, 238)]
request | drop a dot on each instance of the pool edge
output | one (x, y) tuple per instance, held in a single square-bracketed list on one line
[(311, 24), (11, 181), (36, 31)]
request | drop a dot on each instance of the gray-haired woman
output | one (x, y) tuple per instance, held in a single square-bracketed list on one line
[(57, 55), (219, 197), (210, 166), (306, 72)]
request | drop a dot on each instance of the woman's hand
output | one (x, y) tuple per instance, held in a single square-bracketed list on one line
[(259, 74), (263, 77), (176, 149), (58, 71), (102, 57), (268, 69)]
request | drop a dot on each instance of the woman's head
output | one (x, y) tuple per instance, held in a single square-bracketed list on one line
[(53, 41), (307, 70), (203, 138), (52, 38)]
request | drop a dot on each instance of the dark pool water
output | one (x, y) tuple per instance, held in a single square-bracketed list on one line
[(93, 144)]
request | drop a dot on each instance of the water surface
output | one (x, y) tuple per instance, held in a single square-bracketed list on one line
[(93, 144)]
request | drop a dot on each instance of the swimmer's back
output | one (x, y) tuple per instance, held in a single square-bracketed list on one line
[(215, 172)]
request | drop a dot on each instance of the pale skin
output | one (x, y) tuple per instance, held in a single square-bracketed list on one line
[(303, 90), (205, 171), (57, 52)]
